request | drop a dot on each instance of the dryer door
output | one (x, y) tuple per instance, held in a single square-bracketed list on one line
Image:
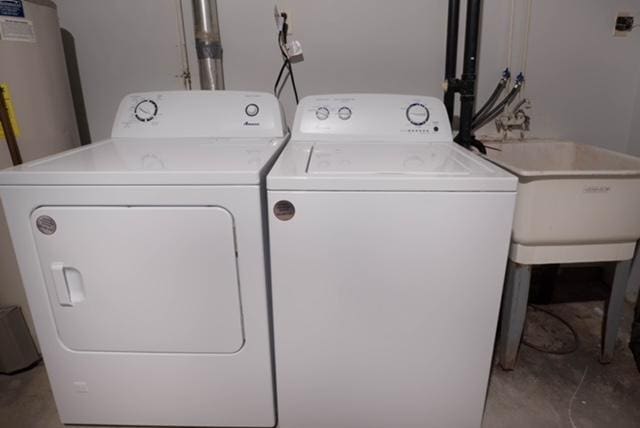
[(141, 279)]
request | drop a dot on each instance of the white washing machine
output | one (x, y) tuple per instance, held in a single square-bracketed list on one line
[(143, 259), (388, 251)]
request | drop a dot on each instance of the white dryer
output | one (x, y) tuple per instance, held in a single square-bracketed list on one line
[(143, 258), (388, 251)]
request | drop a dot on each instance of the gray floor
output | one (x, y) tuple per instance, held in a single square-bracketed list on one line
[(544, 391)]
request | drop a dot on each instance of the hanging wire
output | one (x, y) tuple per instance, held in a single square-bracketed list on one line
[(525, 48), (574, 346), (286, 62), (512, 11)]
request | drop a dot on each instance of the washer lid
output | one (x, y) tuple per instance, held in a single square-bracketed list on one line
[(152, 161), (386, 166)]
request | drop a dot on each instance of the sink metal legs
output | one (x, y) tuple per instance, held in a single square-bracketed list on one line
[(514, 312), (614, 310)]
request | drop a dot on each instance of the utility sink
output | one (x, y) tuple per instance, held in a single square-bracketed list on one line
[(576, 203)]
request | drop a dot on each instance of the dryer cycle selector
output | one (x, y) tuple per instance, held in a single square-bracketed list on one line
[(417, 114), (145, 110)]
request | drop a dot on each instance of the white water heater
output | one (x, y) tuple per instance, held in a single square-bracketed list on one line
[(33, 73)]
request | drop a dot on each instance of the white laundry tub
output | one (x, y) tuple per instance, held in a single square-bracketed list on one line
[(576, 203)]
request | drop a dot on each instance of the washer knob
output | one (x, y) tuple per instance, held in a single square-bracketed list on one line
[(417, 114), (344, 113), (322, 113), (252, 110)]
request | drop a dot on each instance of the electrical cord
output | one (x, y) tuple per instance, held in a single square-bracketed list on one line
[(284, 64), (525, 49), (512, 14), (576, 341), (286, 61)]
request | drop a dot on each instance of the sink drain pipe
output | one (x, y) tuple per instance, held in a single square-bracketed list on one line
[(466, 84), (208, 44)]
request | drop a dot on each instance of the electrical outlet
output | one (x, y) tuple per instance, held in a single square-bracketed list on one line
[(623, 25), (278, 17), (277, 14)]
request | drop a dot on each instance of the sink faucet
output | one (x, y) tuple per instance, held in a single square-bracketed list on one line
[(515, 119)]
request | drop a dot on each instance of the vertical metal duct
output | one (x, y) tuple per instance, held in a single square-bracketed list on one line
[(208, 44)]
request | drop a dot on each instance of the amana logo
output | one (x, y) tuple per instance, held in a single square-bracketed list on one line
[(247, 123)]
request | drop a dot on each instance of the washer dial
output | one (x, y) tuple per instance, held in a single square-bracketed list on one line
[(417, 114), (344, 113), (145, 110), (322, 113)]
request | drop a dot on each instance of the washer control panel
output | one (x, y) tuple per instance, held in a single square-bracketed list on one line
[(199, 114), (372, 117)]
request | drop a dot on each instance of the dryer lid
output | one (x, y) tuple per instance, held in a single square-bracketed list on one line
[(169, 161)]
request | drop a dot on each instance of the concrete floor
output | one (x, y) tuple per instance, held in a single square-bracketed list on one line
[(572, 391)]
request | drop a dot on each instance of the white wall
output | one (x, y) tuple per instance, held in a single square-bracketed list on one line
[(634, 132), (122, 46), (581, 80)]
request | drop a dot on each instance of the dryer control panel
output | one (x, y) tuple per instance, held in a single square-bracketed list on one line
[(371, 117), (199, 114)]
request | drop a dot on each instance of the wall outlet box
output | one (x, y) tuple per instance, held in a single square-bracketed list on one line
[(278, 17), (623, 25)]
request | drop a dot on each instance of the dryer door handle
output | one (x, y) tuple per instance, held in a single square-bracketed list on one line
[(68, 283)]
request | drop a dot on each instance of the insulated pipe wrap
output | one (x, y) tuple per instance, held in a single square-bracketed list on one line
[(208, 44), (211, 50)]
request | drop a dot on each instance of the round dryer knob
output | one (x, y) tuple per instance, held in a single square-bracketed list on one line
[(322, 113), (145, 110), (417, 114), (251, 110)]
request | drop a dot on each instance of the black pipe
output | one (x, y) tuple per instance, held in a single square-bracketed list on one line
[(453, 23), (469, 67), (9, 135)]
